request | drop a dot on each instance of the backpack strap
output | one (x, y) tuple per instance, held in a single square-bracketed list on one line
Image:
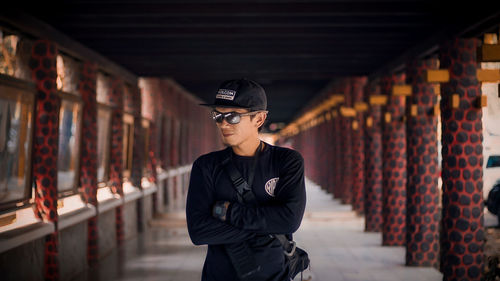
[(243, 189), (240, 254), (288, 246), (246, 195)]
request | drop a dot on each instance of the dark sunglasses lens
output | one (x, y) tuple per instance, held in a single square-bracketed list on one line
[(218, 118), (233, 118)]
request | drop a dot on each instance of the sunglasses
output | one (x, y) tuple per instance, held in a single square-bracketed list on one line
[(231, 117)]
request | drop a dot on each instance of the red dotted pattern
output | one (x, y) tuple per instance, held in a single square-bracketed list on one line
[(92, 241), (51, 257), (322, 157), (330, 146), (120, 225), (462, 223), (337, 167), (310, 156), (394, 166), (346, 146), (315, 157), (373, 165), (88, 173), (358, 87), (45, 147), (175, 139), (422, 218), (116, 164), (152, 161)]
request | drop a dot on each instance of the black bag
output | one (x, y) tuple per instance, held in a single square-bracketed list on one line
[(298, 262), (296, 258), (493, 201)]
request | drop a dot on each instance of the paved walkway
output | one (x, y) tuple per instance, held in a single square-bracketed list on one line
[(330, 232)]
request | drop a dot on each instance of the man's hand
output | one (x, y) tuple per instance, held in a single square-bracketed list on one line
[(219, 210)]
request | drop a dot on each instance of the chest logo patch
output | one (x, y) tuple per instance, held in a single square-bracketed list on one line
[(271, 185)]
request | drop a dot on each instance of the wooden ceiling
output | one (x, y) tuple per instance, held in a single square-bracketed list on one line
[(293, 48)]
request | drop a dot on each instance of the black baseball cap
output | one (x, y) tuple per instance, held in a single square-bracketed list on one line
[(240, 93)]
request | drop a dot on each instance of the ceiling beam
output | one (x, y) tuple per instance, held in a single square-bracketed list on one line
[(248, 9), (153, 20), (230, 31)]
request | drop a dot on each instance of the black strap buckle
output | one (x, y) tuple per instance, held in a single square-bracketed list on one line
[(292, 251), (240, 184)]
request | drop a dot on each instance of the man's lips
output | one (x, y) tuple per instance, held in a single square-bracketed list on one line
[(227, 134)]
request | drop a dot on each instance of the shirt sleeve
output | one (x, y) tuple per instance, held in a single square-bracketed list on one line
[(285, 215), (202, 227)]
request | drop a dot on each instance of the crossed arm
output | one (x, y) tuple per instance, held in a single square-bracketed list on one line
[(245, 221), (202, 227), (285, 214)]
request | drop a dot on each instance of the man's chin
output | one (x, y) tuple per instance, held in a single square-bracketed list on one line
[(227, 142)]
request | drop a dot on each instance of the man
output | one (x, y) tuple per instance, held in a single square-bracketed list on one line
[(240, 236)]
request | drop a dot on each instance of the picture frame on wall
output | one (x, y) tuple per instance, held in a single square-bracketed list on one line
[(68, 160), (104, 114), (17, 99)]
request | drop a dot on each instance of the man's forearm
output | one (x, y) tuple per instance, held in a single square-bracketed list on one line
[(206, 230), (280, 219)]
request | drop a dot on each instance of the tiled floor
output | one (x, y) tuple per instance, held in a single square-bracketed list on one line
[(330, 232)]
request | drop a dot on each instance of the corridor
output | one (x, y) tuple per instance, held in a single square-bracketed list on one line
[(393, 106), (331, 233)]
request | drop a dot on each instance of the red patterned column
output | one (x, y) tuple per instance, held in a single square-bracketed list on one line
[(151, 164), (45, 147), (358, 88), (321, 136), (322, 153), (315, 158), (330, 165), (88, 173), (422, 218), (463, 232), (337, 160), (305, 152), (373, 163), (174, 154), (134, 107), (394, 165), (116, 164), (325, 153), (346, 144), (175, 135)]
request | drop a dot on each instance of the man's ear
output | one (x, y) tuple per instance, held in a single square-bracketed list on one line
[(260, 118)]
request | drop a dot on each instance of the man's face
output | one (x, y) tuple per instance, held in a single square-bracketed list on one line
[(236, 134)]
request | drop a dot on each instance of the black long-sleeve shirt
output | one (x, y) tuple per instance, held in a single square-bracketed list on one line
[(280, 191)]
